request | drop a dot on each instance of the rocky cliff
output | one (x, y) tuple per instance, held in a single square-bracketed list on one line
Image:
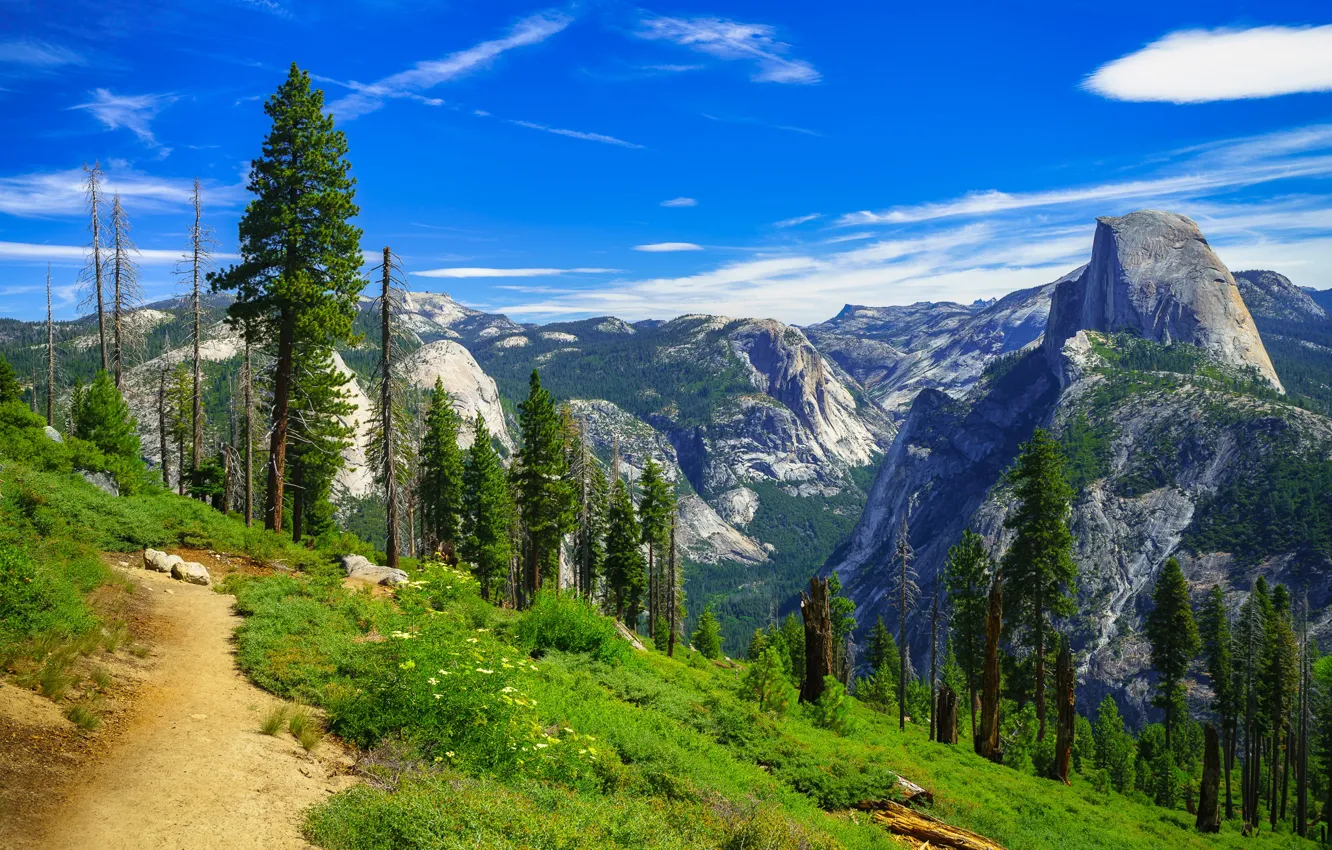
[(1270, 295), (1146, 389)]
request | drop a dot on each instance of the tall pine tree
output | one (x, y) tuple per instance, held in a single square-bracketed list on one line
[(968, 574), (1218, 658), (548, 501), (624, 559), (487, 512), (655, 507), (1173, 635), (298, 279), (441, 478)]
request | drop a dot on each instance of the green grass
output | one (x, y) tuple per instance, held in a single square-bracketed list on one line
[(275, 719)]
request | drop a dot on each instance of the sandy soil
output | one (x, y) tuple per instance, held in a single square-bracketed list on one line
[(187, 767)]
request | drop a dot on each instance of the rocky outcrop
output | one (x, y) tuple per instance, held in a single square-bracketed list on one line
[(1270, 295), (472, 390), (363, 569), (1153, 275)]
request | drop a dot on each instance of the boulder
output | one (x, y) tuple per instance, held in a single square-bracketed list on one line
[(102, 481), (361, 569), (53, 435), (159, 562), (191, 572)]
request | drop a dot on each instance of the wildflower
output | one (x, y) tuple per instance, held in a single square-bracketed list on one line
[(449, 753), (432, 680), (508, 689), (471, 640), (484, 670)]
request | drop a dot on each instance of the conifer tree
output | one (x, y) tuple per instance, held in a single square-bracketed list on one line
[(102, 417), (766, 681), (389, 440), (904, 594), (319, 433), (126, 297), (487, 512), (1114, 752), (1173, 635), (1039, 572), (1214, 632), (548, 501), (1279, 676), (178, 401), (968, 573), (9, 385), (298, 280), (194, 268), (593, 490), (792, 633), (1250, 644), (707, 636), (655, 508), (624, 560), (441, 479)]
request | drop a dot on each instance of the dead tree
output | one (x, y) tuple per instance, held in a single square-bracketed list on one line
[(905, 593), (817, 612), (195, 267), (126, 297), (1066, 712), (94, 267), (987, 739), (162, 408), (387, 445), (946, 719), (50, 354), (670, 598), (1209, 809)]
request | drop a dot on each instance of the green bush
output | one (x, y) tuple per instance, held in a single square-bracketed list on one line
[(570, 624), (34, 601), (833, 709)]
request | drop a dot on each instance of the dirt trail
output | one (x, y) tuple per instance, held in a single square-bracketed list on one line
[(190, 768)]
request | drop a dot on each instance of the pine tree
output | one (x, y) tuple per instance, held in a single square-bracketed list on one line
[(1250, 647), (767, 681), (1039, 572), (298, 280), (102, 418), (487, 512), (441, 480), (389, 436), (793, 638), (655, 508), (842, 610), (707, 636), (1280, 668), (548, 502), (1214, 631), (1114, 752), (320, 432), (968, 572), (9, 385), (625, 570), (1174, 639), (178, 402), (194, 268)]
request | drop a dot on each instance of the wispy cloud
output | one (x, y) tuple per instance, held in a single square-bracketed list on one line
[(132, 112), (798, 220), (270, 6), (61, 193), (667, 247), (37, 54), (490, 272), (680, 202), (1196, 66), (732, 40), (70, 253), (367, 97), (576, 134)]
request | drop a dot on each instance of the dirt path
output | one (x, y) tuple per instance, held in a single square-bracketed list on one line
[(190, 769)]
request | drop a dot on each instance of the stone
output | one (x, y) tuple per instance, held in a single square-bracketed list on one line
[(362, 569), (159, 562), (190, 572), (53, 435), (102, 481)]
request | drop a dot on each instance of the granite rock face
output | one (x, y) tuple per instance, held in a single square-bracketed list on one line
[(1153, 275), (1270, 295)]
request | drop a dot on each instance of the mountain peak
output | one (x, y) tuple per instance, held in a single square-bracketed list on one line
[(1153, 274)]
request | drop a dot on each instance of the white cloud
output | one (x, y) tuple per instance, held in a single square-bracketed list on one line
[(680, 202), (576, 134), (133, 112), (488, 272), (727, 39), (666, 247), (61, 193), (366, 98), (37, 54), (798, 220), (60, 253), (1196, 66)]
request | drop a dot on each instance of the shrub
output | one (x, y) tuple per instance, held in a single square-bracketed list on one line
[(833, 709), (707, 637), (767, 683), (34, 601), (570, 624)]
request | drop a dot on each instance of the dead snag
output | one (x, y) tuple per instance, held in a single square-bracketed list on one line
[(814, 607), (987, 739), (946, 714), (1209, 811), (899, 820), (1066, 712)]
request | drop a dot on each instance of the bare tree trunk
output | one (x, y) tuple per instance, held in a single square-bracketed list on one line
[(1209, 815), (197, 257), (670, 641), (249, 434), (386, 411), (162, 423), (987, 740), (1040, 672), (277, 444), (1228, 756), (50, 354), (817, 613), (946, 727), (94, 174), (1066, 712), (652, 590)]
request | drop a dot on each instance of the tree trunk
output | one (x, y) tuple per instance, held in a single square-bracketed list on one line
[(1066, 712), (987, 740), (815, 609), (162, 428), (386, 412), (249, 435), (50, 354), (1229, 755), (932, 832), (196, 412), (946, 721), (1209, 815), (670, 641), (1040, 672), (652, 590), (277, 444), (934, 650)]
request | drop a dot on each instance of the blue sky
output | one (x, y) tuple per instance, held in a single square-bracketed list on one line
[(753, 159)]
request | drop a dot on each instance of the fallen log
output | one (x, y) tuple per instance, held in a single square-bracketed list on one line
[(918, 826), (912, 795), (629, 636)]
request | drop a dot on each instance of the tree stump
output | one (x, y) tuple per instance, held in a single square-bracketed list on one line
[(1067, 712), (946, 733), (815, 608), (1209, 810), (987, 738)]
